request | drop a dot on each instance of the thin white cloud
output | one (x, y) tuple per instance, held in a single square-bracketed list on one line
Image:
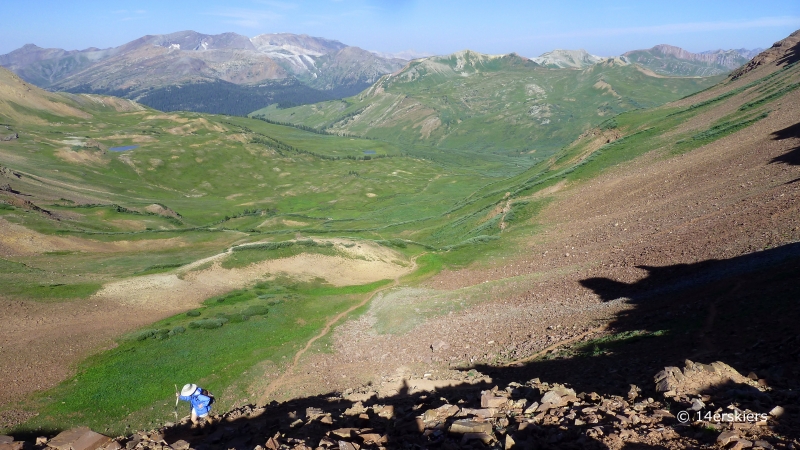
[(278, 5), (338, 17), (689, 27), (248, 18)]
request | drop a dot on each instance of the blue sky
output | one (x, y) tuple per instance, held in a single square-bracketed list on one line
[(529, 28)]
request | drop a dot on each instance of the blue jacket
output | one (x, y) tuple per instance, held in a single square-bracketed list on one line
[(200, 403)]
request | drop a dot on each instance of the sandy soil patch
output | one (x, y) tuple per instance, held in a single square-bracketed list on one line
[(133, 225), (547, 191), (80, 156), (365, 263), (194, 125), (603, 86), (29, 96), (119, 104), (276, 221), (592, 140), (155, 208), (427, 126), (171, 117), (16, 240)]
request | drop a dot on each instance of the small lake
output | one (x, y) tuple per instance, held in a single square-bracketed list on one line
[(369, 152), (123, 148)]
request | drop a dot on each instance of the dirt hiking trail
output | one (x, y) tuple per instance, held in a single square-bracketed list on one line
[(274, 385)]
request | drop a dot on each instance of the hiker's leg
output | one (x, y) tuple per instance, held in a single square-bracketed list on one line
[(194, 416)]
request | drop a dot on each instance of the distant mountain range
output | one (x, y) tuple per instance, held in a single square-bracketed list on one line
[(233, 74), (662, 59), (675, 61), (266, 66)]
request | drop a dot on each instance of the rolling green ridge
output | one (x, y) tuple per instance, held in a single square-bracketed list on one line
[(501, 105)]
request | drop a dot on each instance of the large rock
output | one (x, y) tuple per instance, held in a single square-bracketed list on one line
[(726, 437), (64, 440), (15, 445), (470, 426), (489, 400), (79, 439), (552, 397)]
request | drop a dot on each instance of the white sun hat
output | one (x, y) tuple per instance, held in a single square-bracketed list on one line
[(188, 390)]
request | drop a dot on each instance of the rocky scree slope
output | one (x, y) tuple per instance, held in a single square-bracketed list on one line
[(696, 406)]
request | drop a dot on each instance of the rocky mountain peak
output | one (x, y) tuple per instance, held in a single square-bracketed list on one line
[(296, 44), (785, 51), (573, 59)]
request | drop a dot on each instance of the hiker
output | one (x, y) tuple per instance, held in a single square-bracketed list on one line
[(200, 399)]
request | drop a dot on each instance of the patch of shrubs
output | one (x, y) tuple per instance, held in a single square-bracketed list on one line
[(147, 334), (233, 318), (264, 246), (472, 241), (255, 310), (209, 324), (192, 313), (313, 243), (399, 243)]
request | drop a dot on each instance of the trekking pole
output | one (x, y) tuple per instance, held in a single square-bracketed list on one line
[(177, 398)]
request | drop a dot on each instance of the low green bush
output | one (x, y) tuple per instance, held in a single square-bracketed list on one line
[(265, 246), (255, 310), (209, 324)]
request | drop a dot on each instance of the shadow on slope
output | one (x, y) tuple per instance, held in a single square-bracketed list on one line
[(743, 311), (791, 56), (792, 157)]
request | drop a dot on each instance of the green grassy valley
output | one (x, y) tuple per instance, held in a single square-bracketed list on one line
[(235, 240)]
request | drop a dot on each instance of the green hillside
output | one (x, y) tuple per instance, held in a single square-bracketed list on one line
[(506, 105)]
